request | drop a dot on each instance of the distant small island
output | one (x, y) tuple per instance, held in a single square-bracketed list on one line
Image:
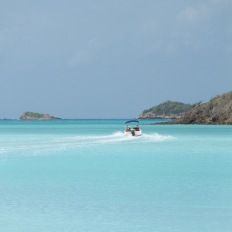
[(166, 110), (37, 116)]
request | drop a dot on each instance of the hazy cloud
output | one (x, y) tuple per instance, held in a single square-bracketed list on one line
[(81, 57), (221, 1), (194, 14), (202, 26)]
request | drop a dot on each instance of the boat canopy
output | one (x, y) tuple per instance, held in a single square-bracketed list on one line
[(132, 121)]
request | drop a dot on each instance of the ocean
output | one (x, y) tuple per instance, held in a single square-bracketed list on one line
[(86, 176)]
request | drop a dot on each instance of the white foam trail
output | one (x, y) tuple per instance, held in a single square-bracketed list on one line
[(116, 137), (157, 137), (37, 145)]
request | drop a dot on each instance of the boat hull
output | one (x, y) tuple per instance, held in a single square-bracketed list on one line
[(133, 133)]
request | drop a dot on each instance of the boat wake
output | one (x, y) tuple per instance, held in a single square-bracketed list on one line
[(119, 137), (39, 144)]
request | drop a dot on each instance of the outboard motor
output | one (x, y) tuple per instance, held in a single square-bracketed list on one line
[(133, 132)]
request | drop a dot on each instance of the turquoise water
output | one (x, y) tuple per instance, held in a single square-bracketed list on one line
[(85, 175)]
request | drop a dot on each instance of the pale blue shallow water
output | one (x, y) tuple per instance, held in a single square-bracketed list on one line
[(85, 175)]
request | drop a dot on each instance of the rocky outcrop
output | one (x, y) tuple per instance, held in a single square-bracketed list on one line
[(36, 116), (217, 111)]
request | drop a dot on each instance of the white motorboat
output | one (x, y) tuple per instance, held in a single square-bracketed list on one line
[(132, 130)]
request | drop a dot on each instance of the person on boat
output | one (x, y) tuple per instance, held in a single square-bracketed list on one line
[(136, 127), (128, 129)]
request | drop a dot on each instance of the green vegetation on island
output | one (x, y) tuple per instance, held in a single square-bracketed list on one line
[(168, 109), (216, 111), (36, 116)]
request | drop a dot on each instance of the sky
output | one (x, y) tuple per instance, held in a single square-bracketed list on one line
[(111, 58)]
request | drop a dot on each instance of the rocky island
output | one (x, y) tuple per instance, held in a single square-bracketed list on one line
[(166, 110), (37, 116), (217, 111)]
